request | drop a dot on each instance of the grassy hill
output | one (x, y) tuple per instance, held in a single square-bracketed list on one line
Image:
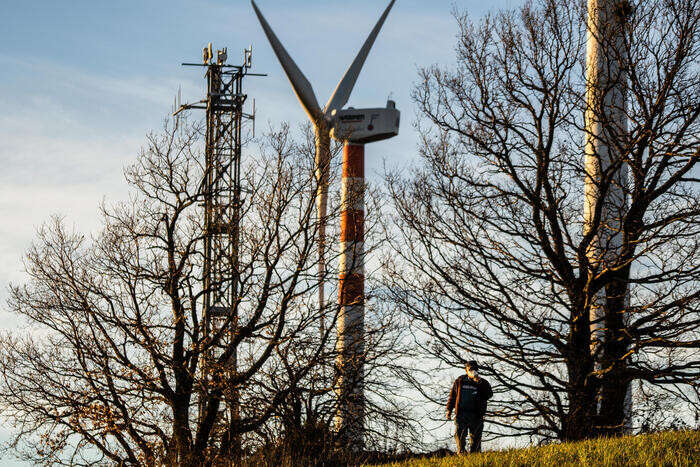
[(667, 449)]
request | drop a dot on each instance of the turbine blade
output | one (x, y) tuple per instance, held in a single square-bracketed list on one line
[(342, 91), (302, 87)]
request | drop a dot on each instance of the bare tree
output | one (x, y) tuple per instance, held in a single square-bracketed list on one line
[(117, 363), (491, 254), (303, 425), (109, 367)]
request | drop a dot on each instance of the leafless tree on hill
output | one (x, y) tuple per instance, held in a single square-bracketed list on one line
[(110, 365), (489, 254)]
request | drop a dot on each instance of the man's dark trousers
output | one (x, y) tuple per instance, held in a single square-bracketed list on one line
[(472, 424)]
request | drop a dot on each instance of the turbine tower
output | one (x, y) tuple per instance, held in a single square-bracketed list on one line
[(606, 171), (355, 127)]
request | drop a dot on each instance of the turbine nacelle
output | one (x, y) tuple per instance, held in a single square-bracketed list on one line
[(354, 125), (363, 126)]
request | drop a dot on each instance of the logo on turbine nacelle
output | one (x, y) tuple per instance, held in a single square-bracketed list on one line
[(351, 118), (366, 125)]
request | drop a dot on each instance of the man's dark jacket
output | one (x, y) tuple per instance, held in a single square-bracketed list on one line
[(484, 393)]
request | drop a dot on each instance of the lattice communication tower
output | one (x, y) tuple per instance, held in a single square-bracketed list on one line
[(222, 210)]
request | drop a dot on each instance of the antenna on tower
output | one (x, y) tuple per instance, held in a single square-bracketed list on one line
[(221, 56), (248, 57)]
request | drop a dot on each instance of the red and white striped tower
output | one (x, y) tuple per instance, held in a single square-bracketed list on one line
[(365, 126), (350, 346)]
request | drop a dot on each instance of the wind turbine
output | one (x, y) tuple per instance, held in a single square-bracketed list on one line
[(355, 127)]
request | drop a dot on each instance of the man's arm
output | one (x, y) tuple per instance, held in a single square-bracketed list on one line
[(487, 392), (452, 399)]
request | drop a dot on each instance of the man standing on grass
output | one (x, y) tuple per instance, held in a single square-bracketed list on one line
[(468, 400)]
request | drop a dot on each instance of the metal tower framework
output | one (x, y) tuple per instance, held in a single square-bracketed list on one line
[(222, 214)]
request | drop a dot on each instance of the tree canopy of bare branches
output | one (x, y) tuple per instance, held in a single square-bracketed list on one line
[(110, 365), (490, 253), (117, 362)]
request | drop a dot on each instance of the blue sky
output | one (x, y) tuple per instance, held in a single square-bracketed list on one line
[(82, 82)]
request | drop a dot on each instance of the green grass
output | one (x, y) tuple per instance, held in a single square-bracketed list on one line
[(667, 449)]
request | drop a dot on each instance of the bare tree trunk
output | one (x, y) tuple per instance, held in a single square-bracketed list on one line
[(579, 421)]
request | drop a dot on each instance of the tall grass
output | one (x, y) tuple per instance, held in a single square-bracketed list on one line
[(679, 448)]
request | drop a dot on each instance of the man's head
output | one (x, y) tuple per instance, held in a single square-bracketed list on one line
[(472, 369)]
